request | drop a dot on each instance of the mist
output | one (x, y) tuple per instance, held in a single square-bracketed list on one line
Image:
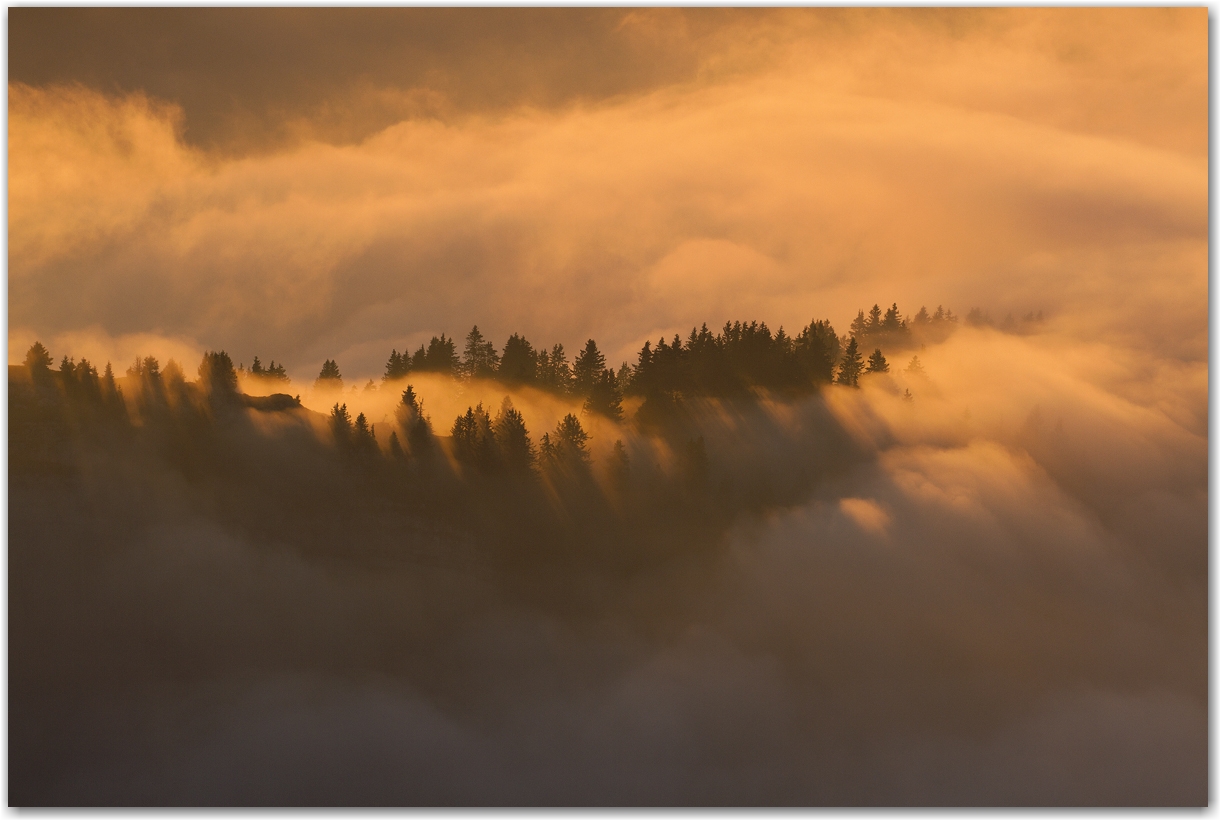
[(993, 593), (974, 573)]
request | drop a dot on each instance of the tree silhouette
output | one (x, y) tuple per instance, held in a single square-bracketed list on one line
[(877, 363), (341, 425), (440, 357), (480, 359), (396, 451), (587, 369), (217, 375), (566, 449), (37, 359), (512, 438), (519, 364), (363, 438), (416, 426), (605, 397), (915, 367), (473, 442), (329, 378), (554, 372), (619, 464), (849, 368), (397, 367)]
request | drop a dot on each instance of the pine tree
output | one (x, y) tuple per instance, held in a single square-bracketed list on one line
[(874, 320), (619, 465), (396, 451), (217, 374), (480, 359), (473, 441), (519, 364), (849, 368), (341, 425), (512, 438), (915, 367), (587, 369), (416, 426), (605, 397), (363, 438), (37, 359), (566, 450), (329, 378), (877, 363)]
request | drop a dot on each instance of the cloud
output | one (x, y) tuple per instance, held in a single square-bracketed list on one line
[(801, 188)]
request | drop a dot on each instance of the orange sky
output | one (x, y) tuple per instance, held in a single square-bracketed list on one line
[(309, 184)]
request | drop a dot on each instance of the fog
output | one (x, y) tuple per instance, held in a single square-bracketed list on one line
[(994, 593), (982, 584)]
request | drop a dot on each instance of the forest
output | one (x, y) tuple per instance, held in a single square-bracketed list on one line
[(740, 362), (204, 571)]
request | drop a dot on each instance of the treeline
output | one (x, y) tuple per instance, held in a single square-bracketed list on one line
[(737, 359)]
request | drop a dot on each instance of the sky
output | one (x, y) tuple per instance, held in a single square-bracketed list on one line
[(1000, 598), (323, 183)]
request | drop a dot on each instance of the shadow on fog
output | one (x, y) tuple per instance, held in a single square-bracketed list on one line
[(220, 599)]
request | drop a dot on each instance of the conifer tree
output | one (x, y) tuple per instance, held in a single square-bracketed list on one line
[(605, 397), (341, 425), (587, 369), (915, 367), (217, 375), (480, 359), (329, 378), (37, 359), (566, 449), (416, 426), (877, 363), (396, 451), (363, 438), (512, 438), (849, 368), (519, 364)]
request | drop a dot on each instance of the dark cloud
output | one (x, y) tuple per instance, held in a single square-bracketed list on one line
[(252, 78)]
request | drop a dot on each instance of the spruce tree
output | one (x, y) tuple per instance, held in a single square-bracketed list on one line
[(877, 363), (849, 368), (587, 369)]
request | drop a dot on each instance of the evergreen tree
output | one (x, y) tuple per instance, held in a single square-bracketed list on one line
[(605, 397), (554, 372), (922, 318), (619, 466), (915, 367), (416, 426), (397, 367), (396, 451), (363, 438), (566, 449), (519, 364), (441, 357), (217, 375), (512, 438), (859, 325), (877, 363), (473, 441), (849, 368), (893, 321), (480, 359), (37, 359), (874, 320), (256, 369), (329, 378), (341, 425), (276, 372), (587, 369)]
